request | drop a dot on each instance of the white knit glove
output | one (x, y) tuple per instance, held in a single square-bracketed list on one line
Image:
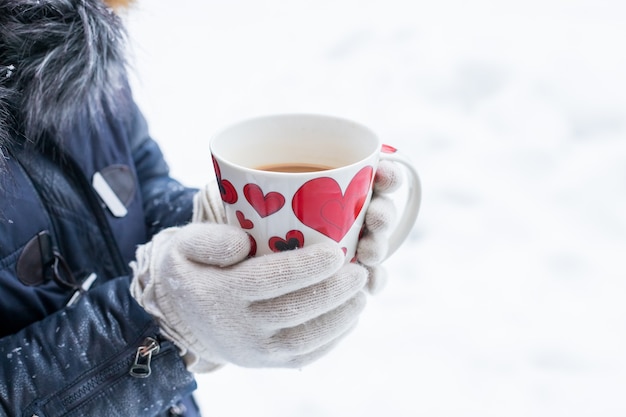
[(380, 215), (280, 310)]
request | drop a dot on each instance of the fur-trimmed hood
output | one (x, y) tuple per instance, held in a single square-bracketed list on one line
[(60, 60)]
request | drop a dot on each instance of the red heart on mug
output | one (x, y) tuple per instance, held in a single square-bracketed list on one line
[(321, 205), (264, 204), (388, 149), (227, 189), (243, 222), (293, 240)]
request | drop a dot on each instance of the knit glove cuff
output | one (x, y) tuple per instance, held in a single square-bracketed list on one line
[(208, 205), (152, 295)]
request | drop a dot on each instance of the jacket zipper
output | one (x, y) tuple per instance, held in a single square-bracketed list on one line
[(83, 188), (74, 172), (141, 365), (134, 361), (105, 227)]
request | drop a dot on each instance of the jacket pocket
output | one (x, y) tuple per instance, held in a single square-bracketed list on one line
[(138, 382)]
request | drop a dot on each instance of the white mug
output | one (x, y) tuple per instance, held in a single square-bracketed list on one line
[(326, 199)]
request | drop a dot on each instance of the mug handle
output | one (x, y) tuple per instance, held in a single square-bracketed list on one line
[(411, 208)]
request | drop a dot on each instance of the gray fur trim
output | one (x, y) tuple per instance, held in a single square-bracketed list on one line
[(60, 60)]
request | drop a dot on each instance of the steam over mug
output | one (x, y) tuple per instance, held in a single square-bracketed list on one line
[(295, 179)]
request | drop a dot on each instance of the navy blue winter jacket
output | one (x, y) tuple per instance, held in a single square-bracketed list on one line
[(67, 119)]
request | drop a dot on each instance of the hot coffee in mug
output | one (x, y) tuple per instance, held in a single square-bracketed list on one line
[(296, 179), (294, 167)]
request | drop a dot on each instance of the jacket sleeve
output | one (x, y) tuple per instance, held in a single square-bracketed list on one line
[(78, 361), (166, 202)]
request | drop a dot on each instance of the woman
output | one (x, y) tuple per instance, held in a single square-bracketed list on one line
[(107, 264)]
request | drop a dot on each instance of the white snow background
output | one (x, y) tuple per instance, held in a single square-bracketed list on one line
[(508, 297)]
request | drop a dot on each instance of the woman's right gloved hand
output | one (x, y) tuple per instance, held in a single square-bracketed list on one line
[(219, 306)]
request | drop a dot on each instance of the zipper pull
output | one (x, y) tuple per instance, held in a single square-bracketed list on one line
[(141, 366)]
